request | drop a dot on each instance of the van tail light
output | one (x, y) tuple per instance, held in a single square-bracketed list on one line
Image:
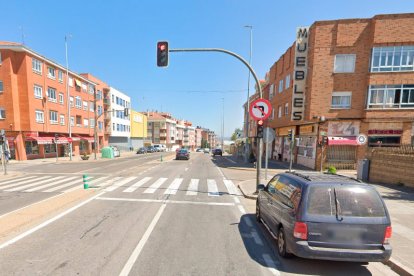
[(300, 230), (387, 234)]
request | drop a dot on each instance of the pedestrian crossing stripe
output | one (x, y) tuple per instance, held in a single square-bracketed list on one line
[(148, 185)]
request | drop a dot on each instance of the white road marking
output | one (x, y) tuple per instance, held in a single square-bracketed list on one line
[(212, 188), (231, 188), (193, 187), (134, 256), (155, 186), (167, 201), (221, 173), (32, 184), (77, 183), (241, 209), (174, 186), (118, 184), (236, 199), (14, 180), (24, 182), (137, 185), (270, 264), (52, 184), (40, 226), (228, 159), (186, 169), (402, 230)]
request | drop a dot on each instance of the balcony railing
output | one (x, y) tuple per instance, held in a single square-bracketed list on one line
[(107, 101)]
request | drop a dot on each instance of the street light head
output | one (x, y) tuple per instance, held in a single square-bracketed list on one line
[(248, 26)]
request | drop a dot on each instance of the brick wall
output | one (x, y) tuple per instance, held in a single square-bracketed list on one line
[(392, 166)]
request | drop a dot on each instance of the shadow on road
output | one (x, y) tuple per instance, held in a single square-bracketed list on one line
[(261, 248)]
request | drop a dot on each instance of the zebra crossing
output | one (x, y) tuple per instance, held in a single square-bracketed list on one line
[(133, 184)]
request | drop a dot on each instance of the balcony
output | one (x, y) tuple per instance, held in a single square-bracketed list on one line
[(107, 101), (163, 134)]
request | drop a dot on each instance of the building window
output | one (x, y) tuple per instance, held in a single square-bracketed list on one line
[(70, 81), (84, 87), (2, 113), (91, 109), (40, 116), (71, 101), (272, 117), (391, 96), (387, 59), (37, 66), (38, 91), (85, 105), (61, 98), (1, 86), (60, 76), (99, 110), (280, 86), (92, 123), (78, 121), (50, 148), (62, 120), (113, 126), (287, 81), (113, 99), (279, 113), (100, 125), (51, 94), (51, 73), (286, 109), (78, 102), (53, 117), (344, 63), (91, 89), (31, 147), (85, 122), (341, 100), (72, 121), (271, 91)]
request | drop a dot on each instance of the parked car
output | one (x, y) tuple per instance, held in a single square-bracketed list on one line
[(151, 149), (325, 216), (182, 154), (160, 147), (217, 152), (142, 150), (199, 150), (117, 152), (206, 150)]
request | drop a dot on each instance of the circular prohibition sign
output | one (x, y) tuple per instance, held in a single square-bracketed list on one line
[(260, 109)]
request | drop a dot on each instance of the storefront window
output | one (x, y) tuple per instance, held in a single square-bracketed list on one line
[(384, 141), (50, 148), (306, 146), (31, 147), (83, 145)]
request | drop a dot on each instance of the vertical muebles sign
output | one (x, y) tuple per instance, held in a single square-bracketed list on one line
[(300, 73)]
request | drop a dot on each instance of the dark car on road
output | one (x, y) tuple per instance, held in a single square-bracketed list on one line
[(325, 216), (151, 149), (182, 154), (141, 150), (217, 152)]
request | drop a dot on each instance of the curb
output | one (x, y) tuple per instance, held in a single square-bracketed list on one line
[(398, 267), (246, 195)]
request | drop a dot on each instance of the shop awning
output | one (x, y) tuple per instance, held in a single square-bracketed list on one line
[(346, 141), (41, 140), (64, 140), (87, 138), (78, 83)]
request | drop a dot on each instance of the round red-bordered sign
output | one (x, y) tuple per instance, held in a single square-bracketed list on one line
[(260, 109)]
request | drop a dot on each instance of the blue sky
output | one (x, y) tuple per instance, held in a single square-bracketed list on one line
[(116, 41)]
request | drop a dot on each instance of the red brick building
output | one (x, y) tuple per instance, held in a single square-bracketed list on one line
[(34, 105), (344, 79)]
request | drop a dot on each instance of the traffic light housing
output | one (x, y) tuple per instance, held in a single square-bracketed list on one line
[(290, 134), (260, 129), (162, 54), (56, 137), (324, 140)]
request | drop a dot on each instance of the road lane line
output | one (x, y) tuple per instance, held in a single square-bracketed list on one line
[(14, 180), (155, 185), (270, 264), (137, 185), (236, 199), (212, 188), (119, 184), (32, 184), (241, 209), (193, 187), (174, 186), (51, 184), (228, 159), (134, 256), (167, 201), (24, 182), (44, 224)]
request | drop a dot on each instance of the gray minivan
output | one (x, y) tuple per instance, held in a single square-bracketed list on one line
[(325, 216)]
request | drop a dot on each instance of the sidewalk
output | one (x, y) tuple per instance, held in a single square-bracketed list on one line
[(400, 204)]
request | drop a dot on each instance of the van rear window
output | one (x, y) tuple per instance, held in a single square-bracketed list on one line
[(352, 201)]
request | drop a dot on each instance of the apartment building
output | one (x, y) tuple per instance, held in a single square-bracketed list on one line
[(34, 105), (162, 129), (189, 136), (344, 79), (198, 136), (138, 129), (120, 131)]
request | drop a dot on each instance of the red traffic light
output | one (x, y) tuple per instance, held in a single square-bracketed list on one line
[(260, 122), (162, 54)]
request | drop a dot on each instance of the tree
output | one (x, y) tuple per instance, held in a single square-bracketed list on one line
[(204, 144), (237, 132)]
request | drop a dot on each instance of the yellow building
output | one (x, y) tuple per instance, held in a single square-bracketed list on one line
[(138, 129)]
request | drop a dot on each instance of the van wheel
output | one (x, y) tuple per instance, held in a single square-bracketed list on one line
[(281, 244)]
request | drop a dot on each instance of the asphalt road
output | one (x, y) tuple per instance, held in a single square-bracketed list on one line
[(169, 218)]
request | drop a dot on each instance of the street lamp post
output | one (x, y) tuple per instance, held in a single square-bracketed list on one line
[(68, 96), (222, 128), (248, 95)]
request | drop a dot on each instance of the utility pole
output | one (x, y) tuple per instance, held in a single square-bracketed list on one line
[(95, 136), (222, 129)]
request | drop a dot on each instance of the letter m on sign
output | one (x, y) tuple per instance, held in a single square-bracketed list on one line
[(302, 33)]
